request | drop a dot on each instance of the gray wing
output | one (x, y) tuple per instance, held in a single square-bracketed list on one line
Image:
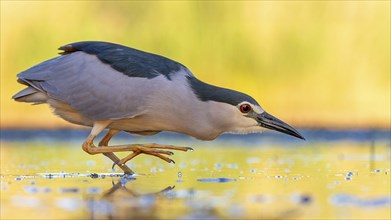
[(95, 89)]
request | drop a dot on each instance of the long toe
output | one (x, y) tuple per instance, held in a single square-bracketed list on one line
[(154, 150), (169, 147)]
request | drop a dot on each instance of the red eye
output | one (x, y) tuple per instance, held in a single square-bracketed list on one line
[(245, 108)]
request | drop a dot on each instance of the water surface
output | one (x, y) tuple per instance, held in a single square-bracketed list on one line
[(334, 174)]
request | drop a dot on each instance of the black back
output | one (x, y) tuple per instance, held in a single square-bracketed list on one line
[(131, 62)]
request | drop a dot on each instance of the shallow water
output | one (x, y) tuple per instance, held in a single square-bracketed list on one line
[(334, 174)]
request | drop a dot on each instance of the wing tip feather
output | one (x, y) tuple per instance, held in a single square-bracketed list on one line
[(66, 49)]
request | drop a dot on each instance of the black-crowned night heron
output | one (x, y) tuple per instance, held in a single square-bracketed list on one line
[(105, 85)]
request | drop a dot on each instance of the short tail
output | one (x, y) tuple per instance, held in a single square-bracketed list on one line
[(31, 95)]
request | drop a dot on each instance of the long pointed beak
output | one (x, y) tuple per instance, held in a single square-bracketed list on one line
[(267, 120)]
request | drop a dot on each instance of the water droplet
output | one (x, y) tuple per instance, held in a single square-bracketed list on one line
[(93, 190), (90, 163), (218, 165), (216, 180), (94, 175), (69, 190), (30, 189), (305, 199), (179, 174), (233, 166)]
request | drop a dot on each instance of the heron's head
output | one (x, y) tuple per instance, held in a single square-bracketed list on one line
[(237, 112), (249, 117)]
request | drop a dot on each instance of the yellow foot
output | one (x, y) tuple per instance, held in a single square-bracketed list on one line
[(153, 150)]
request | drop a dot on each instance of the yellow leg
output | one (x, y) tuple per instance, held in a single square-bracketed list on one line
[(150, 149), (105, 142)]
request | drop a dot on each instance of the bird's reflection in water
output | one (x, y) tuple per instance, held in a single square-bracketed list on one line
[(121, 185), (121, 202)]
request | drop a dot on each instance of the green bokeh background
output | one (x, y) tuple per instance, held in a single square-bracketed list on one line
[(310, 63)]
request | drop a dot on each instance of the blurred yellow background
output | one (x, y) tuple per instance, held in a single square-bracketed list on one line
[(312, 64)]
